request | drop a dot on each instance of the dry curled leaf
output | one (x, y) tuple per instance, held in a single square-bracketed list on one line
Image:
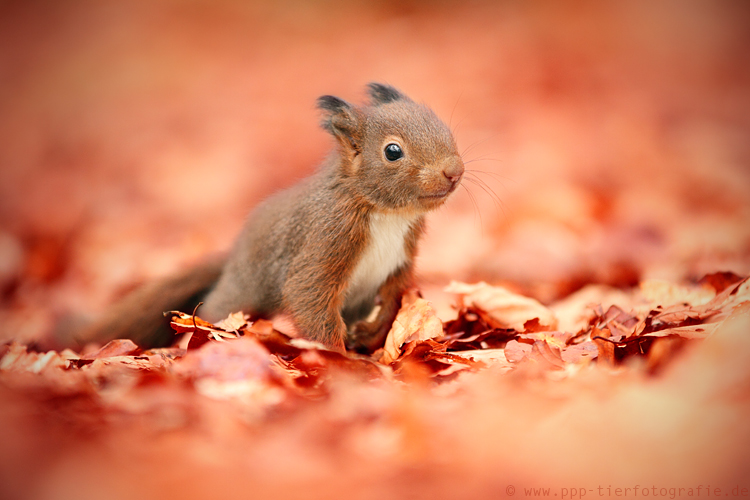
[(416, 320), (117, 347), (548, 356), (234, 322), (491, 357), (720, 281), (663, 293), (202, 331), (428, 358), (508, 309), (18, 358), (516, 351)]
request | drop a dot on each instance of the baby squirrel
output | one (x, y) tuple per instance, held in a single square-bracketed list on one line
[(325, 250)]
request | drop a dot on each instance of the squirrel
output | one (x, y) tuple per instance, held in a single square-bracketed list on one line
[(325, 250)]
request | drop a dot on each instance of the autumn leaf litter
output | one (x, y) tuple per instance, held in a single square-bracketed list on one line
[(436, 412), (495, 329)]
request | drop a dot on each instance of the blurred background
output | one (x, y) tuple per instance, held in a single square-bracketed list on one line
[(135, 136)]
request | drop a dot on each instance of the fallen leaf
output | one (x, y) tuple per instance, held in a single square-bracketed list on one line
[(117, 347), (415, 321), (575, 311), (720, 281), (428, 358), (701, 331), (17, 358), (516, 351), (493, 357), (240, 358), (555, 339), (473, 329), (234, 322), (663, 293), (489, 339), (129, 362), (509, 309), (605, 349), (580, 353), (546, 355), (202, 331)]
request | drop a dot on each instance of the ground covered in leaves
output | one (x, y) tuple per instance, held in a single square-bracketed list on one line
[(465, 408), (582, 323)]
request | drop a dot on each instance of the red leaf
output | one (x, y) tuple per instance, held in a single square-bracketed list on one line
[(720, 281), (117, 347)]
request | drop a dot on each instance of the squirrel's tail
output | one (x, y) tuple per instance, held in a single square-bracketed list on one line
[(139, 316)]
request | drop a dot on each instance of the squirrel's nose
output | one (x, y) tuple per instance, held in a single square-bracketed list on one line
[(454, 171)]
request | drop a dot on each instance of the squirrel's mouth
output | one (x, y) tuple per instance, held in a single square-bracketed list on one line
[(436, 196), (440, 195)]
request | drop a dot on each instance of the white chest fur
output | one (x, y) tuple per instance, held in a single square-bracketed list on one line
[(384, 253)]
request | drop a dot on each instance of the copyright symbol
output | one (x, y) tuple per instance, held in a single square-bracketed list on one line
[(510, 490)]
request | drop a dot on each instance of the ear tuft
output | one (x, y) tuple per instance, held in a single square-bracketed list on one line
[(383, 94), (342, 120), (332, 103), (336, 112)]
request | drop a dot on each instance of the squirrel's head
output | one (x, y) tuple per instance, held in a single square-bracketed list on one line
[(399, 154)]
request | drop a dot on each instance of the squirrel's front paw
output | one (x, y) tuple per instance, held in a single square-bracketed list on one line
[(365, 337)]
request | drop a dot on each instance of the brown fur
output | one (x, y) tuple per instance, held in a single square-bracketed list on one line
[(299, 248)]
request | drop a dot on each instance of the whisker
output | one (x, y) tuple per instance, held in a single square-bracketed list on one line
[(453, 131), (484, 188), (498, 202), (467, 149), (450, 120), (475, 205), (494, 175), (477, 143), (484, 158)]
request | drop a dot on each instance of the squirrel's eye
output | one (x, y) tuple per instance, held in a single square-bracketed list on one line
[(393, 152)]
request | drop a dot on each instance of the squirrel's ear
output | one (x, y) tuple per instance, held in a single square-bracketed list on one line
[(382, 94), (342, 120)]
